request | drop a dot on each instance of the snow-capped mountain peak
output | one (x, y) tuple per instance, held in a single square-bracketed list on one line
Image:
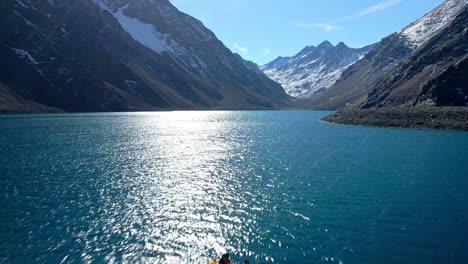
[(325, 45), (342, 45), (313, 69), (427, 26)]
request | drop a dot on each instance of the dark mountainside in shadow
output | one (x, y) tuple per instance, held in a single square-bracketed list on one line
[(84, 56)]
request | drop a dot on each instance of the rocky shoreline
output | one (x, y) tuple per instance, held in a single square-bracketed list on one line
[(444, 118)]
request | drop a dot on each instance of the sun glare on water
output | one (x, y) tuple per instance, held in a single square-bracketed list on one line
[(177, 186)]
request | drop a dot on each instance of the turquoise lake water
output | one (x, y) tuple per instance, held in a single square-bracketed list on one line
[(268, 186)]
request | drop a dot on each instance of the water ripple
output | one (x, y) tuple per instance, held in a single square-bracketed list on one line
[(184, 187)]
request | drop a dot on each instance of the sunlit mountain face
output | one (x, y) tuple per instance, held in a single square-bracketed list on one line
[(421, 65), (314, 69)]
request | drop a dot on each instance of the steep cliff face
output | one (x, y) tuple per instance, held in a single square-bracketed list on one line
[(123, 55), (395, 70), (314, 69), (433, 75), (351, 89)]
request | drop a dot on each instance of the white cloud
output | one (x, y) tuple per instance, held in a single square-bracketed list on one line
[(324, 26), (362, 13), (266, 51), (240, 49), (373, 9)]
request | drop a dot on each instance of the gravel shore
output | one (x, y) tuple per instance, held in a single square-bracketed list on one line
[(446, 118)]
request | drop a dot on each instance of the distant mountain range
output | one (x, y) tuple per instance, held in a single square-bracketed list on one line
[(134, 55), (314, 69), (425, 64), (120, 55)]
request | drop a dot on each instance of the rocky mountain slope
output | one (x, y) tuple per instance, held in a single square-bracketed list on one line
[(313, 69), (411, 67), (122, 55), (436, 74), (10, 102)]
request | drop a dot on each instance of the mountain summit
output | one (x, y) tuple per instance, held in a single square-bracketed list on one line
[(313, 69)]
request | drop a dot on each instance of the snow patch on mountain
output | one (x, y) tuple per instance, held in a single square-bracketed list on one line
[(29, 59), (146, 34), (23, 54), (29, 23), (22, 4), (426, 27)]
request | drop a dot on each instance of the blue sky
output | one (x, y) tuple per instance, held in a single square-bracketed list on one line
[(261, 30)]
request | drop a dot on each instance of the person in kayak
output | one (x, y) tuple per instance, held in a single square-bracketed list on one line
[(225, 259)]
